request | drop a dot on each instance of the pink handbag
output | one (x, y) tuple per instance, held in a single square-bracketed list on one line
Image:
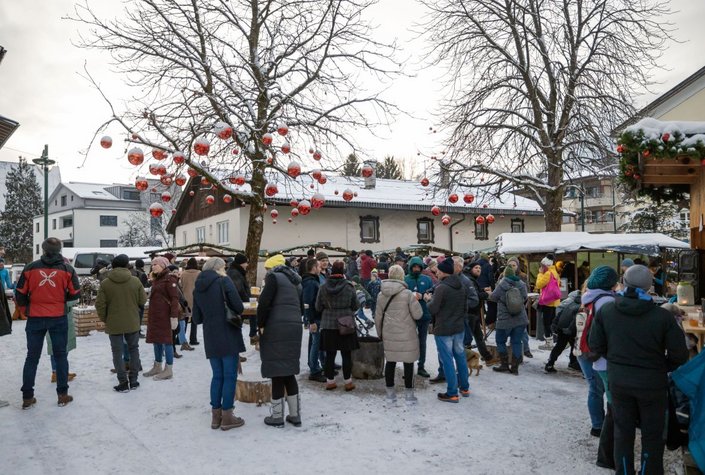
[(551, 292)]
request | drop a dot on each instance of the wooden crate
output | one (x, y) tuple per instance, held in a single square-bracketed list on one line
[(85, 319)]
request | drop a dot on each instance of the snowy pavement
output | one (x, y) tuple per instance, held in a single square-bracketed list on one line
[(530, 424)]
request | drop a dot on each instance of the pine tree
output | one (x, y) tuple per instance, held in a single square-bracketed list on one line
[(389, 169), (23, 201), (351, 166)]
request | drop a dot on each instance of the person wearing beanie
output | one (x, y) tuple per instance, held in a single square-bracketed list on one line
[(119, 298), (170, 257), (548, 281), (642, 343), (447, 307), (164, 312), (337, 303), (54, 285), (238, 274), (222, 341), (419, 283), (510, 296), (187, 280), (324, 266), (309, 289)]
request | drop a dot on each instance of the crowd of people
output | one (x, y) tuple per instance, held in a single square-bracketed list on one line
[(623, 343)]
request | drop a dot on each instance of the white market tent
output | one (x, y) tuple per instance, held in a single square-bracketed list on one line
[(560, 243)]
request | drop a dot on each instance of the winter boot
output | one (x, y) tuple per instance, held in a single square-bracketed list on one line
[(409, 396), (294, 416), (349, 386), (123, 387), (166, 374), (277, 417), (528, 354), (156, 369), (503, 364), (27, 403), (548, 344), (514, 367), (422, 372), (391, 395), (549, 368), (64, 399), (230, 420), (187, 347), (216, 417)]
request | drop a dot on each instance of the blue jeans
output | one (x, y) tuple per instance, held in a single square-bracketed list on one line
[(596, 391), (223, 381), (182, 332), (36, 330), (525, 340), (516, 335), (361, 314), (422, 328), (452, 355), (314, 352), (160, 349), (467, 336)]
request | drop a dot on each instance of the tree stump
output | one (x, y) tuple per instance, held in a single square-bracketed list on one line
[(368, 361), (259, 392)]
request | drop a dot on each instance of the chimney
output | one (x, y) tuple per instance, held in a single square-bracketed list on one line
[(371, 180)]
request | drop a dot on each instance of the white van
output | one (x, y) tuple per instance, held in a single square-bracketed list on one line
[(83, 259)]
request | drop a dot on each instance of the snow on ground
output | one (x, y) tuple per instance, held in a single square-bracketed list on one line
[(530, 424)]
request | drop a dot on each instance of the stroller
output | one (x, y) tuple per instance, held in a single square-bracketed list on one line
[(361, 325)]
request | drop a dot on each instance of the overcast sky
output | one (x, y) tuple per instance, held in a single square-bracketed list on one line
[(40, 86)]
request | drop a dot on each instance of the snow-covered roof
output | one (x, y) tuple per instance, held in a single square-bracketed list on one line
[(92, 191), (535, 243), (654, 129)]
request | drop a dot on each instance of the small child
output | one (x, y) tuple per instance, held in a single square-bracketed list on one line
[(364, 298), (373, 288)]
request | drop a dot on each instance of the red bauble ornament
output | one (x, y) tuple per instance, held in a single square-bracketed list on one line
[(666, 137), (336, 192), (293, 203), (267, 139), (484, 205), (490, 219), (153, 169), (271, 189), (289, 220), (318, 200), (201, 146), (239, 180), (468, 198), (637, 176), (158, 154), (435, 210), (166, 180), (156, 210), (646, 153), (135, 156), (311, 186), (620, 148), (270, 161), (310, 150), (210, 199), (223, 130), (355, 194), (367, 171), (274, 214), (236, 151), (453, 198), (106, 141), (317, 155), (173, 212), (191, 193), (480, 220), (192, 173), (204, 181), (424, 181), (294, 169), (178, 158), (180, 180), (323, 180), (295, 212), (227, 199), (135, 137), (316, 174), (304, 207), (348, 195), (282, 129), (141, 184), (286, 147), (166, 197), (445, 220)]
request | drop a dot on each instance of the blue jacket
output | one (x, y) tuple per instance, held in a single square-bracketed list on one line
[(486, 278), (309, 286), (690, 378), (373, 288), (420, 284), (5, 278)]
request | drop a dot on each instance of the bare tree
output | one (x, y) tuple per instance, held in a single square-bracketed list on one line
[(536, 87), (143, 231), (251, 65)]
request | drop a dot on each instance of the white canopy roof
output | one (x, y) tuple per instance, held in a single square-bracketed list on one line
[(536, 243)]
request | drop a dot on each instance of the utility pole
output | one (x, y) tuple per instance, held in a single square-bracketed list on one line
[(44, 162)]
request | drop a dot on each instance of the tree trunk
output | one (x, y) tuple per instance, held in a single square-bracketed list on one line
[(553, 210), (255, 226)]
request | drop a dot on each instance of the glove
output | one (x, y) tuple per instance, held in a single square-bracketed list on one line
[(174, 323)]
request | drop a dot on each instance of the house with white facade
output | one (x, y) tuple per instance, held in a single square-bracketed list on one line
[(384, 214), (94, 215)]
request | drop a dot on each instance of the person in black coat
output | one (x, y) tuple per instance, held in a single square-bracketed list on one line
[(564, 327), (310, 285), (238, 274), (642, 343), (222, 341)]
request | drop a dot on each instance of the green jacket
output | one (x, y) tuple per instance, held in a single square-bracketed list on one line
[(119, 299)]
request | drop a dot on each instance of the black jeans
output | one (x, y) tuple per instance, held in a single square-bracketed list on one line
[(116, 344), (282, 385), (389, 370), (548, 314), (253, 326), (649, 407), (563, 341), (329, 365), (476, 327)]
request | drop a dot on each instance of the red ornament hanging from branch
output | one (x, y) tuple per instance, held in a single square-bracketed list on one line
[(166, 197), (435, 210), (453, 198), (293, 170), (192, 173), (141, 184), (316, 174), (158, 154), (178, 158), (424, 182), (201, 146), (490, 219), (318, 200), (286, 147), (348, 195), (295, 212), (480, 220), (367, 171), (210, 199), (445, 220), (156, 210), (267, 139), (223, 130), (282, 129), (317, 155), (468, 198), (106, 141), (271, 189), (304, 207), (274, 214), (180, 180), (227, 199), (135, 156)]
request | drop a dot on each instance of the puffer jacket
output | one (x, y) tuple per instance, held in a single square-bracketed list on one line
[(119, 299), (336, 298), (163, 306), (544, 278), (448, 307), (565, 315), (506, 320), (397, 326)]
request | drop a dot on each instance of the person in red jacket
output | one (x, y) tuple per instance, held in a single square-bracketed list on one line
[(367, 263), (44, 288)]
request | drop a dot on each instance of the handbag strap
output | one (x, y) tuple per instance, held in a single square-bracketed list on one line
[(381, 322), (222, 292)]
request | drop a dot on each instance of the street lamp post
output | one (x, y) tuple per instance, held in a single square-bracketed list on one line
[(582, 205), (44, 162)]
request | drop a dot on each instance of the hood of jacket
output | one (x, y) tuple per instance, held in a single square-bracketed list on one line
[(392, 287), (205, 279), (52, 260), (631, 305), (335, 285), (290, 274), (453, 281), (575, 296), (591, 294), (415, 261), (120, 275), (308, 277)]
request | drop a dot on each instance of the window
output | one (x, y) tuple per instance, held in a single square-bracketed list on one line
[(185, 240), (108, 220), (517, 225), (223, 228), (369, 229), (129, 195), (593, 191), (66, 222), (201, 234), (36, 227), (482, 231), (684, 215), (108, 243), (53, 224), (68, 244), (36, 249), (63, 200), (71, 197), (424, 230), (567, 219)]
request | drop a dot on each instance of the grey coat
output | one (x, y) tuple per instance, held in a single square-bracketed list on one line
[(397, 327), (505, 320), (448, 306), (336, 298), (280, 316)]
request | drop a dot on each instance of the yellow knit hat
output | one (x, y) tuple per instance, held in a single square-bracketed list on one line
[(274, 261)]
